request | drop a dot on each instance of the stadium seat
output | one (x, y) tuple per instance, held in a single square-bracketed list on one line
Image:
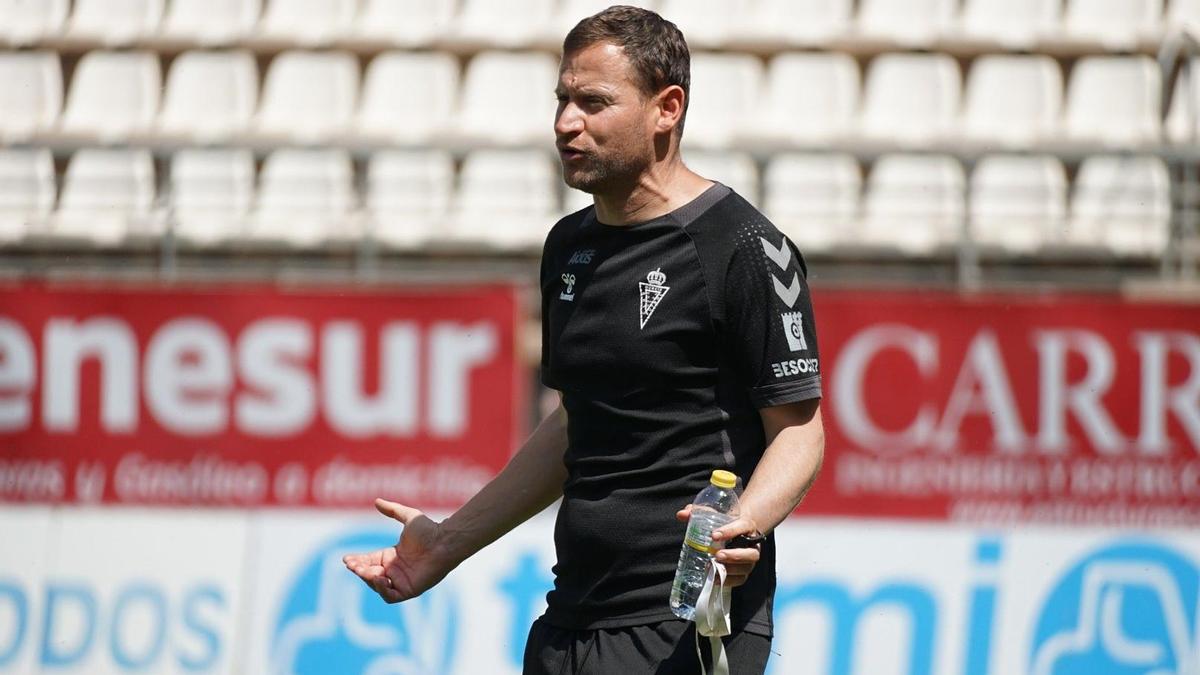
[(792, 23), (734, 169), (27, 191), (1014, 101), (507, 99), (113, 96), (911, 98), (1122, 203), (567, 13), (308, 96), (409, 195), (914, 203), (483, 24), (31, 97), (107, 197), (210, 22), (1113, 24), (25, 22), (1013, 24), (1114, 100), (306, 23), (114, 23), (1183, 117), (211, 194), (726, 90), (817, 113), (908, 23), (706, 23), (1183, 15), (1018, 203), (506, 199), (403, 23), (210, 95), (814, 198), (304, 197), (408, 97)]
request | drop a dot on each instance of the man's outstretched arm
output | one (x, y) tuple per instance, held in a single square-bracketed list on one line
[(428, 551)]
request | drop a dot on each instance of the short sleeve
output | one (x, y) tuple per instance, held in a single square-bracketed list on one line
[(770, 324), (543, 287)]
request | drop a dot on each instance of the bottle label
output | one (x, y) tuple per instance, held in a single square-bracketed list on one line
[(700, 538)]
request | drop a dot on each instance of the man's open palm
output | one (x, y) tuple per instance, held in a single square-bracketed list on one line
[(411, 567)]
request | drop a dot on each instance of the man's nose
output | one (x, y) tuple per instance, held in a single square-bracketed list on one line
[(568, 120)]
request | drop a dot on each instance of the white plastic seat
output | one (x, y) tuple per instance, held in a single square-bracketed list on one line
[(706, 23), (1114, 24), (211, 193), (31, 95), (793, 23), (1013, 100), (1018, 203), (506, 199), (725, 93), (1183, 15), (409, 195), (820, 110), (1123, 204), (113, 95), (27, 191), (25, 22), (107, 196), (568, 13), (1013, 24), (1114, 100), (404, 23), (210, 95), (814, 198), (408, 97), (305, 197), (507, 99), (308, 96), (734, 169), (306, 23), (210, 22), (911, 98), (909, 23), (511, 24), (914, 203), (1183, 117), (114, 22)]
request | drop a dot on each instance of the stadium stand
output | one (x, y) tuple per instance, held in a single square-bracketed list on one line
[(902, 125)]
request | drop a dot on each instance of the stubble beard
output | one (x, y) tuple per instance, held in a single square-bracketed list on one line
[(605, 176)]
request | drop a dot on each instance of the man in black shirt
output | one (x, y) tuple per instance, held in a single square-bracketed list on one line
[(677, 327)]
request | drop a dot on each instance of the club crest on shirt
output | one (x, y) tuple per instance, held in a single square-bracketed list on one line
[(793, 330), (650, 294), (568, 293)]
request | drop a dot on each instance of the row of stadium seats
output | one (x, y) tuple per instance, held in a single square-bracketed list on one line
[(505, 98), (1016, 24), (915, 204)]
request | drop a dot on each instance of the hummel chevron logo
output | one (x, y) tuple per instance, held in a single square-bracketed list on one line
[(780, 256), (789, 293)]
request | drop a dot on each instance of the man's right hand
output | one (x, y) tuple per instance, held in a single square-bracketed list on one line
[(414, 565)]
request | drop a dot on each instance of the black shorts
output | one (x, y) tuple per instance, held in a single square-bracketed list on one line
[(665, 648)]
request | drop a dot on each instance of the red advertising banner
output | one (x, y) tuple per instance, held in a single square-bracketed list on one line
[(1009, 408), (256, 395)]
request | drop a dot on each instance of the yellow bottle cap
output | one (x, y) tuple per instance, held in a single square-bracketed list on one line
[(723, 479)]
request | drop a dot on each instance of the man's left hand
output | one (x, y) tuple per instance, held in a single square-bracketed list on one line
[(738, 562)]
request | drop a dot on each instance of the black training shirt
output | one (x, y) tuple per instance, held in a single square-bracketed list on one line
[(665, 338)]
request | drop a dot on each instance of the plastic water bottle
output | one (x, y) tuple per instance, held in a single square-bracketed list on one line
[(715, 506)]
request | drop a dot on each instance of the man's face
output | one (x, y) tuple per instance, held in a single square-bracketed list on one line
[(604, 126)]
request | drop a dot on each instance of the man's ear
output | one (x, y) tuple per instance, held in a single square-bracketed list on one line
[(670, 103)]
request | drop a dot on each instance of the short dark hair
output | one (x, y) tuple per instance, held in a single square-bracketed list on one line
[(654, 46)]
